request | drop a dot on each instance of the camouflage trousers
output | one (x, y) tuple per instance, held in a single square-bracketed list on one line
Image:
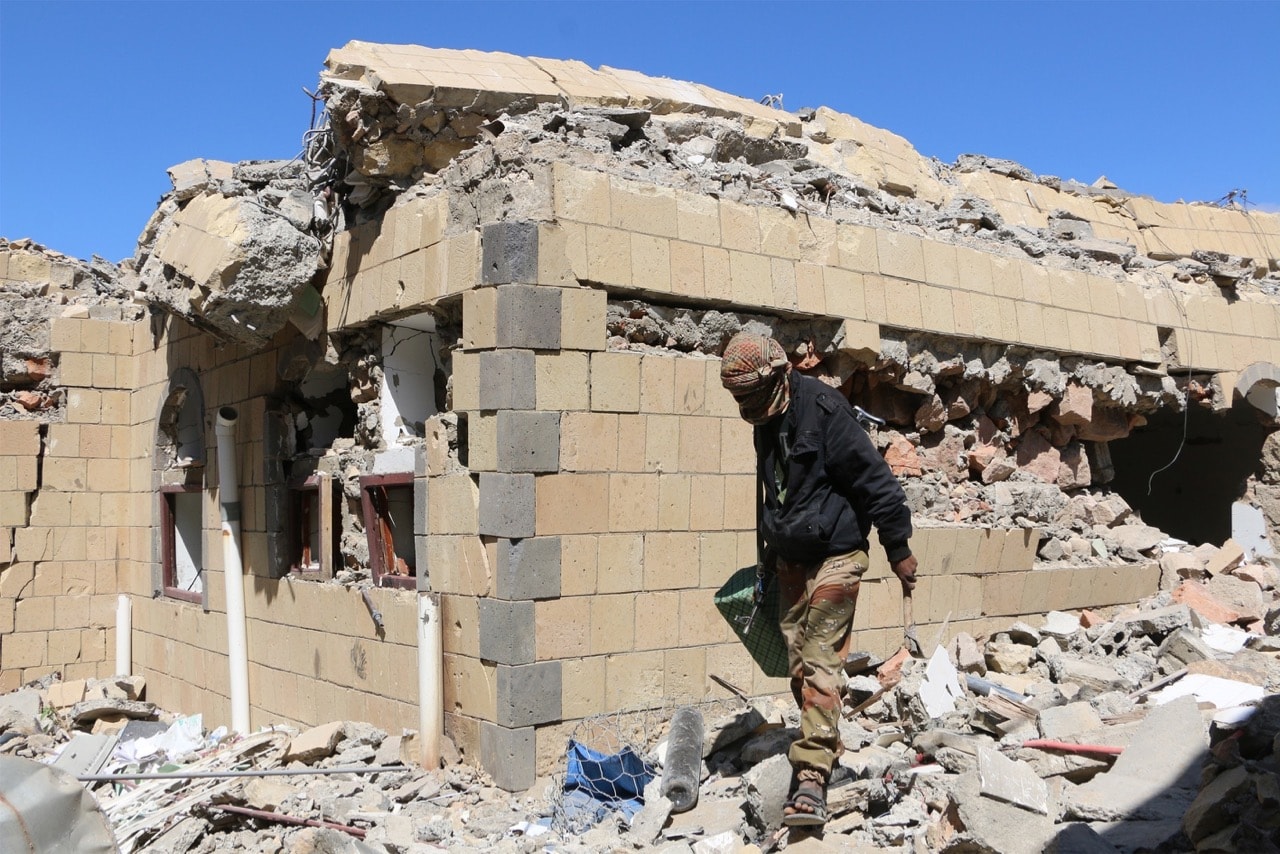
[(815, 608)]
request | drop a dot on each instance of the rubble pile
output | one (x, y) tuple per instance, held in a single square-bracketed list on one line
[(36, 285), (1155, 727)]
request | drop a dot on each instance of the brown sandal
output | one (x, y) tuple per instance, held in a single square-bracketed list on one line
[(807, 806)]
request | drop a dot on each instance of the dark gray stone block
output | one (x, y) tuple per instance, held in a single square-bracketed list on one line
[(507, 380), (528, 694), (528, 441), (506, 505), (277, 507), (420, 506), (509, 253), (528, 569), (420, 461), (527, 316), (508, 755), (279, 553), (506, 631)]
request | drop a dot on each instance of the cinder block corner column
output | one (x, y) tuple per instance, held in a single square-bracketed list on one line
[(525, 311)]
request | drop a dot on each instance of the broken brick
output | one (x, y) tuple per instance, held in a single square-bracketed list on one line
[(1198, 598), (1075, 407)]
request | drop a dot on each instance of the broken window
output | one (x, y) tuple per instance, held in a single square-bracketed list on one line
[(178, 461), (1183, 471), (312, 526), (182, 541), (388, 521), (412, 378), (180, 428)]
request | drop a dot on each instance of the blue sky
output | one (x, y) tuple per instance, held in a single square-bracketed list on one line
[(1177, 100)]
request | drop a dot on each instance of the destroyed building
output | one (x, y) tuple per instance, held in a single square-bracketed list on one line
[(462, 356)]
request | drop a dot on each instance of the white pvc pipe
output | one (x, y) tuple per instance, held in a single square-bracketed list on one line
[(232, 569), (124, 640), (430, 679)]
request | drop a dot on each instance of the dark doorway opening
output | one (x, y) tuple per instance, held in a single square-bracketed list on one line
[(1191, 499)]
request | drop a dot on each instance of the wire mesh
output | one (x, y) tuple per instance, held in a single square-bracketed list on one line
[(611, 758)]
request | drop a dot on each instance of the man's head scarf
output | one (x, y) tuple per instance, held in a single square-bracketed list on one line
[(754, 370)]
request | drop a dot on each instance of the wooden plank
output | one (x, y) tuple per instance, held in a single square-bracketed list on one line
[(326, 525)]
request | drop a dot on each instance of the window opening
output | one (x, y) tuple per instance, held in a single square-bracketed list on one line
[(1192, 499), (182, 541), (411, 372), (178, 462), (388, 505)]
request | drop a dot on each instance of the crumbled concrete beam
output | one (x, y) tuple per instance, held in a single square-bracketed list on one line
[(233, 247)]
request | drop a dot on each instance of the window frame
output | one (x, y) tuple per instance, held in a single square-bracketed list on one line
[(169, 543), (318, 488), (374, 528)]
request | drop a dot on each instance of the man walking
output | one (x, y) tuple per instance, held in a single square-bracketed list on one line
[(824, 486)]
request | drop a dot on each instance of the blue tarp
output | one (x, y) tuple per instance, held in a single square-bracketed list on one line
[(599, 783)]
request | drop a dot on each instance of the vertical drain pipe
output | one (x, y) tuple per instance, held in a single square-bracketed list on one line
[(430, 679), (232, 569), (124, 639)]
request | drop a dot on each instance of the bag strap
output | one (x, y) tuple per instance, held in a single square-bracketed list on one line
[(755, 437)]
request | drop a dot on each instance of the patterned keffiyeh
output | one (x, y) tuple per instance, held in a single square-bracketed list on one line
[(754, 370)]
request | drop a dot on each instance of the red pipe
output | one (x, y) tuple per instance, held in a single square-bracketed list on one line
[(1045, 744)]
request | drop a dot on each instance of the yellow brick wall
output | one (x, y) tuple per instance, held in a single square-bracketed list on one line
[(632, 236), (66, 491)]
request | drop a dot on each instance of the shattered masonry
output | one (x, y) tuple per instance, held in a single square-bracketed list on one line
[(472, 339)]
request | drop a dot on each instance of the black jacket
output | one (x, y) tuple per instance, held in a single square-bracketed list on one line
[(836, 484)]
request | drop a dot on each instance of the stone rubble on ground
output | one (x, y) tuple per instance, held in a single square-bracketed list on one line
[(986, 773)]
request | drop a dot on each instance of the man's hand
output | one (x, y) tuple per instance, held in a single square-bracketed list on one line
[(905, 569)]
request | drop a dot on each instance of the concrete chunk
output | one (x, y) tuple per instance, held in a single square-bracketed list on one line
[(1012, 782), (968, 656), (767, 785), (264, 793), (1095, 677), (1060, 624), (1185, 646), (316, 743), (1060, 722), (1177, 567), (993, 825), (726, 730), (60, 695), (1198, 598), (1159, 622), (241, 265), (1157, 775), (1226, 558), (1243, 597), (91, 710)]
